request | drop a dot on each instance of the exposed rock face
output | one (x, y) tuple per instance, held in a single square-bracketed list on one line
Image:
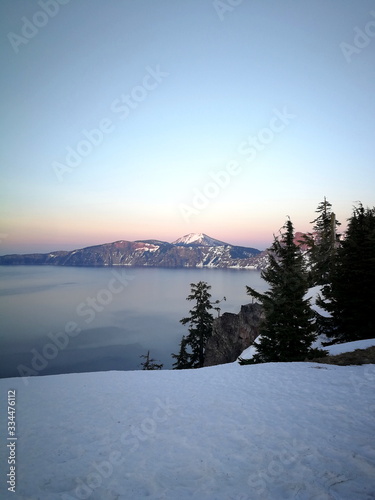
[(232, 334)]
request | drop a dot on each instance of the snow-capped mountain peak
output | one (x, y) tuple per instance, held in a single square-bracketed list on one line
[(198, 239)]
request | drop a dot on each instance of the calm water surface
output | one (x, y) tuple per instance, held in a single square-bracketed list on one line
[(69, 319)]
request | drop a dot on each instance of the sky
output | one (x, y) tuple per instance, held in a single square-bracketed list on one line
[(152, 119)]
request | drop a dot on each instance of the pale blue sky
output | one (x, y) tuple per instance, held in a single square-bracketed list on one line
[(222, 75)]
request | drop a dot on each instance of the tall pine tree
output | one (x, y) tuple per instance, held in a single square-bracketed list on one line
[(351, 297), (200, 328), (323, 243), (287, 331)]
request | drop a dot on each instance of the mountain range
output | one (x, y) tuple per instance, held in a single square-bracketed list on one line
[(192, 250)]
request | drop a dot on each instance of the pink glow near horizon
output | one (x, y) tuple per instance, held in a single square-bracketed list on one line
[(63, 241), (54, 233)]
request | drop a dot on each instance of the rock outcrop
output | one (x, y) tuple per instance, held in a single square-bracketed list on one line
[(232, 334)]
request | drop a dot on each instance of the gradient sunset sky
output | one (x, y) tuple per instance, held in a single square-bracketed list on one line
[(120, 117)]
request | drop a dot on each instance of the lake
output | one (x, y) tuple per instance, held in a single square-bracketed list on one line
[(74, 319)]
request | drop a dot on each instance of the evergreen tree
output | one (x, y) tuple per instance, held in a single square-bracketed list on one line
[(287, 331), (149, 363), (182, 358), (351, 300), (200, 329), (323, 243)]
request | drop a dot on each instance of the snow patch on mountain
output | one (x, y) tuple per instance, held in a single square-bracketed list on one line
[(200, 239)]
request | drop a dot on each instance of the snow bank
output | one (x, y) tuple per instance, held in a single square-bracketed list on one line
[(332, 350), (349, 346), (230, 432)]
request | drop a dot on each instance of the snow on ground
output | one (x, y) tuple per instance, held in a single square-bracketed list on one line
[(271, 431), (332, 349), (349, 346)]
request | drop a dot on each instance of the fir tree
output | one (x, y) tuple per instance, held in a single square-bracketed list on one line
[(351, 298), (149, 363), (182, 358), (287, 331), (200, 326), (323, 243)]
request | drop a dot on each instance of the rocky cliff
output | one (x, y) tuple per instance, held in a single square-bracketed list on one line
[(232, 334)]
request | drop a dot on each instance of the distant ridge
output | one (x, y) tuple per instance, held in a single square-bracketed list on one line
[(192, 250)]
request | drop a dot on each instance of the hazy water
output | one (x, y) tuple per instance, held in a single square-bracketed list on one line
[(70, 319)]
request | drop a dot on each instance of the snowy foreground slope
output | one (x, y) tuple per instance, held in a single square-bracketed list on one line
[(230, 432)]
